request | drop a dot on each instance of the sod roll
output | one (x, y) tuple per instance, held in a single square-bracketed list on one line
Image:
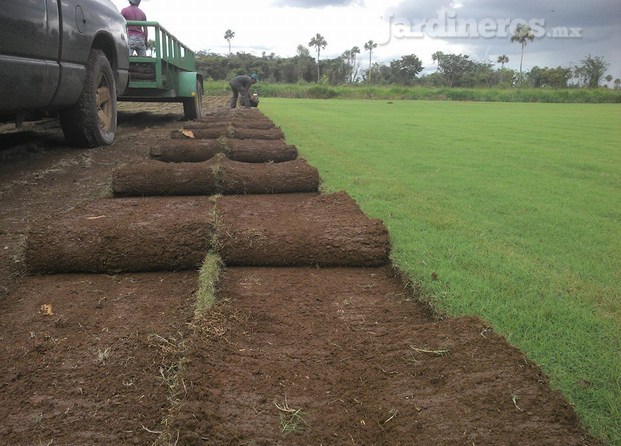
[(221, 114), (247, 133), (200, 133), (267, 178), (187, 150), (155, 178), (245, 150), (260, 151), (216, 176), (263, 124), (299, 230), (123, 235), (228, 132)]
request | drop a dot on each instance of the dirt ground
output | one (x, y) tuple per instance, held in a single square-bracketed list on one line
[(314, 339)]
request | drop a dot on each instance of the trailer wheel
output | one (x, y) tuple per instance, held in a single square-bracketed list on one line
[(193, 107), (92, 121)]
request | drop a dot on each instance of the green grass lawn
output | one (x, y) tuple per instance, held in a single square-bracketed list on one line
[(516, 208)]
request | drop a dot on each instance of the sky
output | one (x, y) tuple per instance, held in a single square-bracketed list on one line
[(567, 31)]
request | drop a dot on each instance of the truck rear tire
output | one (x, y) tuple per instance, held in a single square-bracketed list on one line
[(193, 107), (92, 121)]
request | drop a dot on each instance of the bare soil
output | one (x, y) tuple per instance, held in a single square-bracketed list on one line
[(314, 339)]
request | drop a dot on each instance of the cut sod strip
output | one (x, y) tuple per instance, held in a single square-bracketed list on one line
[(311, 356), (93, 359), (216, 176), (245, 150), (124, 234)]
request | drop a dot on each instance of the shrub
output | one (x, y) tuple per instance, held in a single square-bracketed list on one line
[(321, 92)]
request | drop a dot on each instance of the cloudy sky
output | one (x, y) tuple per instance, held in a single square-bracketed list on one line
[(567, 30)]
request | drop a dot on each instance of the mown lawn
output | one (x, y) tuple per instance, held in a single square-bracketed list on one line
[(515, 207)]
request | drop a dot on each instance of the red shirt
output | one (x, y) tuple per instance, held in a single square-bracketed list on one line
[(134, 13)]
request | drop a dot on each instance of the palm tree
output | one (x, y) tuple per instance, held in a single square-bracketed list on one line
[(437, 57), (370, 46), (502, 60), (350, 58), (352, 55), (523, 33), (303, 61), (228, 35), (320, 43)]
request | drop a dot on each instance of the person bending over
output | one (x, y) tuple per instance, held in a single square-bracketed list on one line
[(241, 86)]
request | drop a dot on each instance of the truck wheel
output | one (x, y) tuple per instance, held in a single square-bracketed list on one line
[(193, 107), (92, 121)]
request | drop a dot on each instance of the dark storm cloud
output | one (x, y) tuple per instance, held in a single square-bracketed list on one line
[(595, 27), (308, 4)]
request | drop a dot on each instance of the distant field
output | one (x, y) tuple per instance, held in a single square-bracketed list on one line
[(396, 92), (514, 209)]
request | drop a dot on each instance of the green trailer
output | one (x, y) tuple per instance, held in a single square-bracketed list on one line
[(167, 75)]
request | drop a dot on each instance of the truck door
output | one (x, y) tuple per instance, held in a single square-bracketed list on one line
[(29, 48)]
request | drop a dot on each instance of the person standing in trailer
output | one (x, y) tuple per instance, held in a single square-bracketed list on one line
[(137, 35)]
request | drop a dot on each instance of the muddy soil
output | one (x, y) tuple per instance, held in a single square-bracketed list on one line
[(292, 356)]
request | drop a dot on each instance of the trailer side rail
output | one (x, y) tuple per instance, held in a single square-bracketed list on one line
[(170, 55)]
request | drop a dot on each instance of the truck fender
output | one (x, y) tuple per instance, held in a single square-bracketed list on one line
[(187, 83)]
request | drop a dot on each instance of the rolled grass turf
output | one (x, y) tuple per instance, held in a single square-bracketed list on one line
[(263, 124), (175, 234), (228, 132), (310, 230), (218, 175), (123, 235), (244, 150)]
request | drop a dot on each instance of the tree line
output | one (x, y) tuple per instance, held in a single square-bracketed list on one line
[(451, 70)]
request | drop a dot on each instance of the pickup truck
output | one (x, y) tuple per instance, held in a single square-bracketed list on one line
[(69, 57)]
